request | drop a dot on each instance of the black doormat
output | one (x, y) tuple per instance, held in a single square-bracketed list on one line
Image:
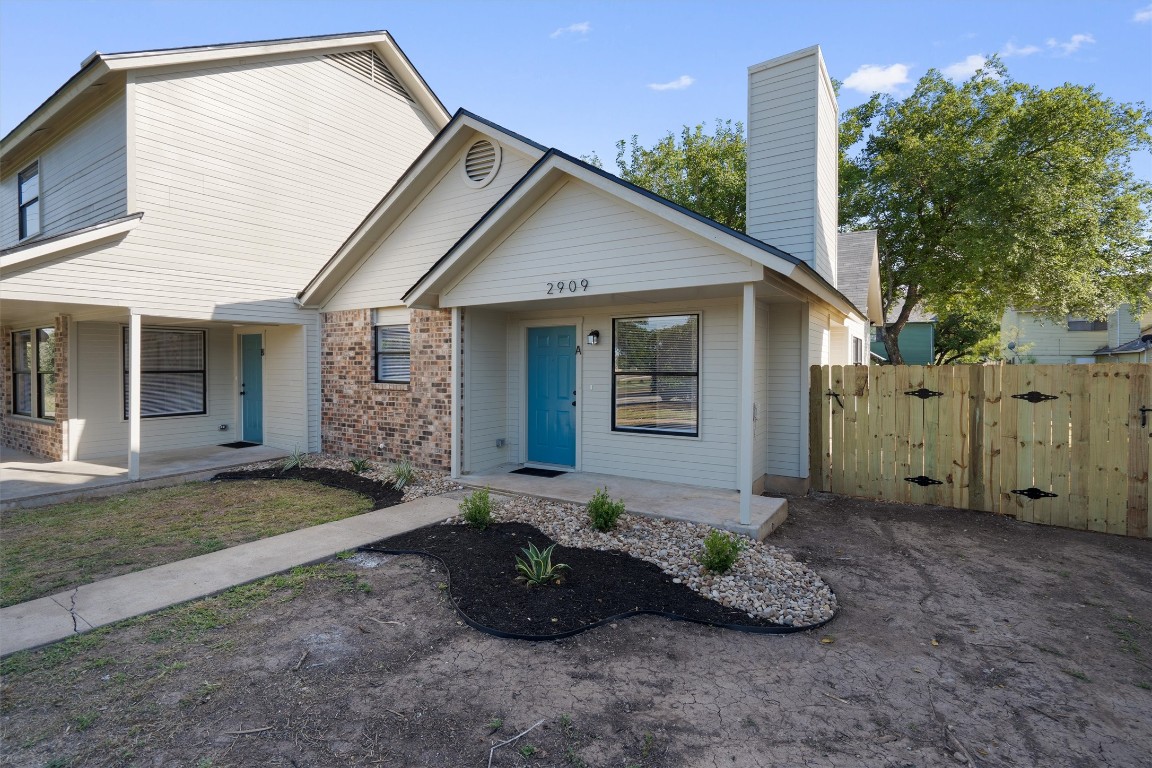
[(238, 444), (537, 472)]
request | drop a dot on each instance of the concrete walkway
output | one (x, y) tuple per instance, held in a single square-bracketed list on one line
[(49, 619)]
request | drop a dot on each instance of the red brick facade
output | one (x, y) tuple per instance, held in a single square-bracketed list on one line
[(360, 417), (36, 436)]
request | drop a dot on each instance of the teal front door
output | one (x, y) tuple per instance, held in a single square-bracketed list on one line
[(252, 386), (551, 430)]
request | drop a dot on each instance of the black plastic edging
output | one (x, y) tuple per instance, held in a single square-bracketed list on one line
[(751, 629)]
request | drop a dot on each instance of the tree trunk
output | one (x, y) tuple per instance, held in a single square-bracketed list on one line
[(892, 331)]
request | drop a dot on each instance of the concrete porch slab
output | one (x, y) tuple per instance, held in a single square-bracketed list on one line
[(27, 481), (717, 507)]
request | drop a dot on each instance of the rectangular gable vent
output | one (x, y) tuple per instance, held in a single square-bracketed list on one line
[(368, 65)]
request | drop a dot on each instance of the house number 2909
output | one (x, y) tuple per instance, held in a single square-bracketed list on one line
[(569, 286)]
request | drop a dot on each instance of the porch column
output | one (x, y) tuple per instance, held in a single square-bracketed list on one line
[(455, 458), (134, 396), (744, 449)]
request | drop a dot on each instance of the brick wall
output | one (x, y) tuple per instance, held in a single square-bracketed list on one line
[(359, 416), (35, 436)]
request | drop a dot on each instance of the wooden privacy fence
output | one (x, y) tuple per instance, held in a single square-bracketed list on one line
[(1063, 445)]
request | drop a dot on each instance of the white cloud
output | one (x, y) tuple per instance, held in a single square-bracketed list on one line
[(1011, 49), (678, 84), (579, 28), (962, 70), (1071, 45), (871, 78), (1143, 15)]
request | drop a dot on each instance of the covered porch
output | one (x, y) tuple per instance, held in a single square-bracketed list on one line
[(32, 481), (126, 388), (716, 507)]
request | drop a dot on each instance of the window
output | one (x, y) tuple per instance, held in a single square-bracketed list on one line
[(393, 354), (28, 193), (656, 375), (1079, 324), (173, 381), (34, 372), (857, 350)]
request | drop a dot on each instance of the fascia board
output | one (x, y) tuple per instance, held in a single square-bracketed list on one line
[(51, 107)]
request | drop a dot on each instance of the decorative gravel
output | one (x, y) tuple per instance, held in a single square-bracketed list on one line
[(766, 582)]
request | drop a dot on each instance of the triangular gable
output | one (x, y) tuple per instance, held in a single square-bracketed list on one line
[(408, 194), (556, 169)]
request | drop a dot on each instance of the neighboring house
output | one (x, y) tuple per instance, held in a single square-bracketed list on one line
[(527, 308), (859, 281), (158, 215), (1119, 338), (917, 340)]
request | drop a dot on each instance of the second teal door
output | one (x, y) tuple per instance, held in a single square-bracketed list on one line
[(551, 429)]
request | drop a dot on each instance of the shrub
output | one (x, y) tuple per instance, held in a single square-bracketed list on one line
[(402, 474), (603, 511), (477, 509), (721, 550), (298, 460), (538, 569), (360, 466)]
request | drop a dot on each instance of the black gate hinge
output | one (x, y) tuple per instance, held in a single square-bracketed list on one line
[(1035, 493), (922, 480), (923, 393), (1035, 397)]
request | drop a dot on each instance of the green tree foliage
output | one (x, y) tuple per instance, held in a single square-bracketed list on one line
[(967, 337), (991, 193), (986, 194)]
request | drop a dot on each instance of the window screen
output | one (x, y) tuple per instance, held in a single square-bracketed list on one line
[(656, 376), (393, 354), (173, 381)]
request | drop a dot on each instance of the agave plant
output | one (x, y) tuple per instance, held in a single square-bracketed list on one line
[(538, 569), (402, 474)]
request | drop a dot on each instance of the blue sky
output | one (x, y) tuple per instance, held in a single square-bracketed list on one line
[(580, 75)]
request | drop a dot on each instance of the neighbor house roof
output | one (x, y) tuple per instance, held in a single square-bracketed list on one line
[(102, 72), (858, 272)]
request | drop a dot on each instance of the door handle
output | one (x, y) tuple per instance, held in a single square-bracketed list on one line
[(241, 393), (573, 402)]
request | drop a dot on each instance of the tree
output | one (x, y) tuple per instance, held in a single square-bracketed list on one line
[(966, 337), (993, 193), (986, 194)]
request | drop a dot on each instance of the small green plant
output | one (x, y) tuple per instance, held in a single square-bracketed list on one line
[(298, 460), (402, 474), (538, 569), (477, 509), (359, 466), (495, 724), (527, 750), (603, 511), (721, 550)]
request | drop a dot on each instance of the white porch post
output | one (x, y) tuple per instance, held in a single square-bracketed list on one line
[(134, 396), (744, 451), (455, 458)]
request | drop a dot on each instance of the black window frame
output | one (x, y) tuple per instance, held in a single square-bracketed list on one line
[(23, 205), (695, 433), (125, 337), (35, 373), (377, 353), (857, 350), (1076, 324)]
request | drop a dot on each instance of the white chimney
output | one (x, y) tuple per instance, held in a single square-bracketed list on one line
[(793, 163)]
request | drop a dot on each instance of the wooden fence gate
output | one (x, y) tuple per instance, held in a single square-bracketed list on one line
[(1065, 445)]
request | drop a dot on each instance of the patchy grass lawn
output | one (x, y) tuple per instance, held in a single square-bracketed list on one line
[(46, 550)]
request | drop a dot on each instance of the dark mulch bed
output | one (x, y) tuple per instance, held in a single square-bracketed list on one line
[(597, 586), (382, 493)]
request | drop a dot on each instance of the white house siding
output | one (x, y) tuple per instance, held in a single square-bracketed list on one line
[(760, 435), (787, 391), (486, 401), (618, 249), (98, 425), (285, 388), (1046, 342), (1124, 325), (819, 335), (708, 460), (82, 177), (425, 234), (792, 160)]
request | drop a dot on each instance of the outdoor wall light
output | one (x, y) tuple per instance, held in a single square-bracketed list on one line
[(593, 338)]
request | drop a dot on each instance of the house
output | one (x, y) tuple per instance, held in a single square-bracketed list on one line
[(917, 338), (859, 281), (159, 214), (507, 304), (1118, 338)]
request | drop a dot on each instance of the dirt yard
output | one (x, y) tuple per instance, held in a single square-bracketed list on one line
[(963, 639)]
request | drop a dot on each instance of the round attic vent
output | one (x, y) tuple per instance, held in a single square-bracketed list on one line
[(481, 163)]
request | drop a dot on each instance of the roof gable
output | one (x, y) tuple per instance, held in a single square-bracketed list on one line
[(858, 273)]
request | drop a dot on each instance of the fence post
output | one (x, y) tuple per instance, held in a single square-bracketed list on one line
[(816, 418), (1140, 396)]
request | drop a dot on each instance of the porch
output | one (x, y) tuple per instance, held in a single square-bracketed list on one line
[(30, 481), (717, 507)]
